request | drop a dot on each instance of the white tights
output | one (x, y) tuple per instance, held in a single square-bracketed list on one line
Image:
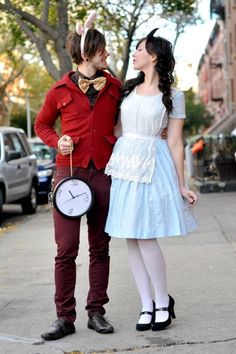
[(148, 268)]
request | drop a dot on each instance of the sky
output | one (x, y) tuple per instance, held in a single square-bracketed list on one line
[(190, 46)]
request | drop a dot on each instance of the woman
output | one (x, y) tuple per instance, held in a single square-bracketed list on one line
[(148, 197)]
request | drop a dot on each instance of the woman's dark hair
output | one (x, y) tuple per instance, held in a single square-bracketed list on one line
[(162, 48), (94, 42)]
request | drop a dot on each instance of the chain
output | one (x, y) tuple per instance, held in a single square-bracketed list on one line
[(71, 170), (50, 194)]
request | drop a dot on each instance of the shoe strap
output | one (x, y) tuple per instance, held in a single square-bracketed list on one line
[(162, 309), (146, 313)]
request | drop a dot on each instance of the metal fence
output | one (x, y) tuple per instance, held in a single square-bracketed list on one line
[(216, 161)]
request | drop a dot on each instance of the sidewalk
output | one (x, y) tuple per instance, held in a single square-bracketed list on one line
[(201, 276)]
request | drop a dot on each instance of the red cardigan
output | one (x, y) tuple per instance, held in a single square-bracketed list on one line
[(92, 130)]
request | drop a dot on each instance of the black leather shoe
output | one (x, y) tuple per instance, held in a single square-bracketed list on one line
[(60, 328), (159, 326), (100, 324), (146, 326)]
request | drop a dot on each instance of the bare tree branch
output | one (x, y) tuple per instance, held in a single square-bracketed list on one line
[(130, 33), (45, 12), (4, 104), (120, 19), (11, 78), (44, 53), (44, 27), (25, 28)]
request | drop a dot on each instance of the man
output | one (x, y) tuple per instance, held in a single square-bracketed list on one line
[(88, 114)]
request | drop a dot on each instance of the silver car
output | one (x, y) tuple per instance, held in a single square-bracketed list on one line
[(18, 170)]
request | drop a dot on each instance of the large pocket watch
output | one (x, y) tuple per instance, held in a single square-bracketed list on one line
[(72, 197)]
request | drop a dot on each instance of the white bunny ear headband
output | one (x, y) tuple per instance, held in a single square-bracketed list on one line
[(82, 30)]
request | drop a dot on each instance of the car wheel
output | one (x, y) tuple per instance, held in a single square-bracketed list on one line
[(29, 204)]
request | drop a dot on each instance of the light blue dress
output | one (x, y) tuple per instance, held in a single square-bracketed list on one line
[(145, 201)]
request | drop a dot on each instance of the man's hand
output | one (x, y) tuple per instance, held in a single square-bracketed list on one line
[(65, 145)]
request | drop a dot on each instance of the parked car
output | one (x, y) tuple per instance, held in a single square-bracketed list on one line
[(18, 170), (45, 156)]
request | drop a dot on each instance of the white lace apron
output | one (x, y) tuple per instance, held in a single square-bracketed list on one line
[(143, 118), (133, 158)]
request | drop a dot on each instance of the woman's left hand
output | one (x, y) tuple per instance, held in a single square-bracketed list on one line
[(189, 195)]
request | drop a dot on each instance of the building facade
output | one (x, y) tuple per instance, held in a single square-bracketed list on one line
[(230, 46), (217, 68)]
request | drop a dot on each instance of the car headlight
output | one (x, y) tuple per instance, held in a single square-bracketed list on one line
[(45, 173)]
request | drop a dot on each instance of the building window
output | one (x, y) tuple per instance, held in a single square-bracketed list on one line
[(230, 44), (235, 35), (232, 90)]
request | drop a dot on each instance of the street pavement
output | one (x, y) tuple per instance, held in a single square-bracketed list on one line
[(201, 277)]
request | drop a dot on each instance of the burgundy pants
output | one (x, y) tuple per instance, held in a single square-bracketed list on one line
[(67, 236)]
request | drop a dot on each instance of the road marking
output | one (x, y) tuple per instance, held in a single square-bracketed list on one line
[(11, 338)]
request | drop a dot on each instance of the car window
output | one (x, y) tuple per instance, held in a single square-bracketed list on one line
[(41, 151), (8, 143), (18, 146)]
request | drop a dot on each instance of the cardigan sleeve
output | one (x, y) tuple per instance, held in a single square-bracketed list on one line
[(46, 118)]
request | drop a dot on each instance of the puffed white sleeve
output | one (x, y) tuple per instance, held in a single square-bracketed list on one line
[(178, 110)]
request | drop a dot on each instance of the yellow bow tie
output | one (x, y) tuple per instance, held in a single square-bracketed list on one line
[(97, 83)]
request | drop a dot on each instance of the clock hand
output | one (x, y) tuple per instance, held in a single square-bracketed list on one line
[(68, 200), (71, 195), (78, 195)]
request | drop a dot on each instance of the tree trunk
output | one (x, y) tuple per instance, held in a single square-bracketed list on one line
[(4, 118), (65, 64), (40, 32)]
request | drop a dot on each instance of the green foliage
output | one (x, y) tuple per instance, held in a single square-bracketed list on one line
[(52, 16), (18, 118), (186, 6), (38, 83), (119, 20), (198, 118)]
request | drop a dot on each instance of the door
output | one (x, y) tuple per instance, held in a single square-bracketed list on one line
[(17, 171)]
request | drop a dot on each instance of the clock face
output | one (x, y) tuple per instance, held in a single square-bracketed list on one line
[(72, 197)]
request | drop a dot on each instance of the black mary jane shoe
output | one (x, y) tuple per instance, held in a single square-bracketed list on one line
[(146, 326), (159, 326), (60, 328), (99, 324)]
